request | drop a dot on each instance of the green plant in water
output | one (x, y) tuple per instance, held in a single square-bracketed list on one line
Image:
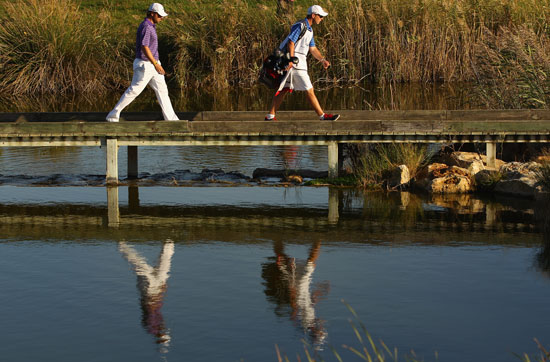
[(373, 165), (543, 357), (51, 46), (367, 350)]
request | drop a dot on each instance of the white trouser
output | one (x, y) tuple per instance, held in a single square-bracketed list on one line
[(144, 74)]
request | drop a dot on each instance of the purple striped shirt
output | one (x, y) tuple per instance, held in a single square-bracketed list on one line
[(147, 35)]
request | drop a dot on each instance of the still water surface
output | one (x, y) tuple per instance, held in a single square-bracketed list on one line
[(203, 273)]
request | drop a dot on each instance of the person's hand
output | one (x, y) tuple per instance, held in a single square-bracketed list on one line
[(289, 66), (325, 63), (159, 69)]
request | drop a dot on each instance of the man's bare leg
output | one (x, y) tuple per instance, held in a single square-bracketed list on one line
[(312, 99)]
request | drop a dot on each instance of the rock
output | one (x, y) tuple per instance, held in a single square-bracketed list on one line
[(523, 186), (265, 172), (436, 170), (297, 179), (543, 159), (466, 159), (463, 159), (399, 176), (476, 167), (517, 170), (451, 184), (441, 178), (518, 179), (486, 180)]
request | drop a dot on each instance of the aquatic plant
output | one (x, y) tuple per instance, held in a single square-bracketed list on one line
[(373, 164), (367, 349), (543, 357), (52, 46)]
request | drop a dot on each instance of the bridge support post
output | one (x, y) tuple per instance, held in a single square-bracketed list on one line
[(132, 162), (112, 161), (491, 154), (333, 160), (333, 205), (113, 212)]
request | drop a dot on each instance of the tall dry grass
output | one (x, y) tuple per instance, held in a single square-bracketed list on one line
[(512, 68), (219, 46), (380, 40), (59, 46), (52, 46)]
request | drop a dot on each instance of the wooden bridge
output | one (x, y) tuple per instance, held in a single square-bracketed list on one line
[(293, 128)]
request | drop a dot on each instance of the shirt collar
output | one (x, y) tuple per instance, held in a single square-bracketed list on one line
[(308, 26), (149, 23)]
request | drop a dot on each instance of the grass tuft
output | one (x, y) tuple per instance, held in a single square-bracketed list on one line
[(373, 164)]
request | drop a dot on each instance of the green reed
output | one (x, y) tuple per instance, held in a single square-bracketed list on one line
[(367, 348), (372, 165)]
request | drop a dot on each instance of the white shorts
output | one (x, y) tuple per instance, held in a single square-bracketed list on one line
[(298, 80)]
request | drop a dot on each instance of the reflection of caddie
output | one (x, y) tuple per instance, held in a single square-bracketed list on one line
[(297, 77), (147, 68)]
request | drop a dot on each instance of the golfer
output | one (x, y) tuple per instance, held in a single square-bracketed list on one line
[(147, 67), (297, 77)]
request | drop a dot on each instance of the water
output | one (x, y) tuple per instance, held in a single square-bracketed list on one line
[(193, 270), (201, 273)]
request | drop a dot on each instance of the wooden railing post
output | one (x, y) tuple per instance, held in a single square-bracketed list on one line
[(112, 161)]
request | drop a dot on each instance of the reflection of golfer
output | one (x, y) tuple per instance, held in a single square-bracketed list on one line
[(151, 284), (288, 283)]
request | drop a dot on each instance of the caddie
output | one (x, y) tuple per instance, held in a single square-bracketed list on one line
[(299, 44)]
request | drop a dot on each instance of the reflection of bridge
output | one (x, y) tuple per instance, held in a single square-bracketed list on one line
[(490, 224), (295, 128)]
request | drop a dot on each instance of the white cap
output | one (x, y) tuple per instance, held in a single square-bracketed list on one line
[(157, 8), (316, 9)]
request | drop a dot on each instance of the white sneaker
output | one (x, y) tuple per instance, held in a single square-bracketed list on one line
[(112, 119)]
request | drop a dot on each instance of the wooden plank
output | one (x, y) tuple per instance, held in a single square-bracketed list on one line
[(496, 126), (495, 115), (89, 116), (93, 128), (346, 115)]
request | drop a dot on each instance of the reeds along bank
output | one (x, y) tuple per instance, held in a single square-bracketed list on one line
[(64, 46)]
